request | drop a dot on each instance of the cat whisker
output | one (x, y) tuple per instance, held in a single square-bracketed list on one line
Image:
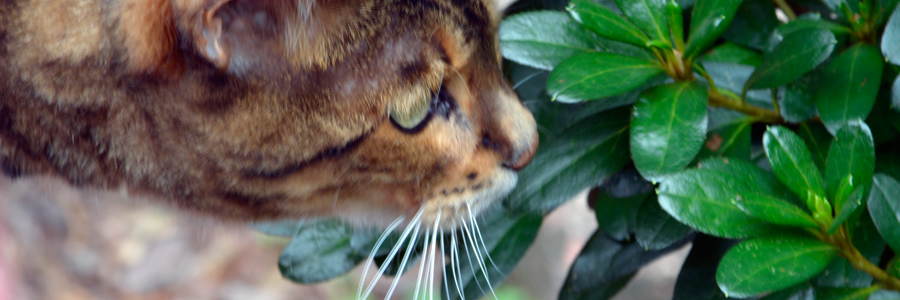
[(476, 249), (454, 265), (371, 259), (483, 244), (444, 263), (412, 224), (465, 231), (422, 267), (434, 232), (412, 243)]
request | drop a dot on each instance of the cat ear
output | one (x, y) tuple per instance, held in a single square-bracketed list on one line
[(210, 42), (244, 31)]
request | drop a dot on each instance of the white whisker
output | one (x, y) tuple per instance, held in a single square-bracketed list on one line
[(434, 231), (478, 258), (454, 262), (391, 255), (422, 268), (444, 263), (481, 239), (412, 243), (371, 259), (469, 257)]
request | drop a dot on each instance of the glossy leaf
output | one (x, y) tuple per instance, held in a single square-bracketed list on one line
[(884, 207), (617, 216), (543, 39), (319, 252), (848, 86), (587, 153), (847, 207), (668, 128), (774, 210), (605, 22), (603, 263), (649, 16), (818, 140), (799, 103), (655, 229), (843, 293), (592, 76), (804, 22), (799, 53), (852, 154), (792, 163), (733, 54), (701, 198), (731, 139), (708, 21), (885, 295), (733, 77), (507, 237), (890, 39), (753, 24), (802, 291), (769, 264), (895, 94)]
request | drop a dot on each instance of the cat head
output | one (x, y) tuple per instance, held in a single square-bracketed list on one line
[(367, 110)]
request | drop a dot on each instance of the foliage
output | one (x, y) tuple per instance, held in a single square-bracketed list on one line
[(767, 133)]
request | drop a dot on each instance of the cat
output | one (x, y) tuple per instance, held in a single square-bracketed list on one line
[(376, 112)]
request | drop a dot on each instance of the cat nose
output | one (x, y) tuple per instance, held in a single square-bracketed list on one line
[(525, 157)]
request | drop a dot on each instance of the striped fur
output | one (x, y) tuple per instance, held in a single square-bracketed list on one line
[(255, 110)]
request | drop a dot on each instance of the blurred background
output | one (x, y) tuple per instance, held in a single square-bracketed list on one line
[(61, 243)]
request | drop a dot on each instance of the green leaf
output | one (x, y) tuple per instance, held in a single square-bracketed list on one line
[(592, 76), (617, 216), (604, 266), (655, 229), (668, 128), (890, 40), (848, 86), (733, 54), (543, 39), (884, 207), (852, 154), (769, 264), (701, 198), (733, 77), (883, 10), (318, 252), (774, 210), (605, 22), (825, 293), (885, 295), (799, 103), (895, 94), (835, 6), (585, 154), (808, 21), (801, 291), (817, 138), (728, 140), (697, 278), (507, 237), (649, 16), (800, 52), (708, 21), (792, 163), (849, 205), (753, 24), (676, 23)]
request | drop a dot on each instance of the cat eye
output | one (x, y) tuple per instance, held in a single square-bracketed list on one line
[(414, 116)]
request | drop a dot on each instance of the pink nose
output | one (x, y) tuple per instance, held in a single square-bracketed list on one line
[(526, 157)]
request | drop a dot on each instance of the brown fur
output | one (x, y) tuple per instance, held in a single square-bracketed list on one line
[(252, 110)]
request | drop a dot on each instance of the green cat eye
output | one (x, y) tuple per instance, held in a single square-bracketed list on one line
[(412, 115)]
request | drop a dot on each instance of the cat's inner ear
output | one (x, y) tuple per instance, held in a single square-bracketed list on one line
[(239, 34)]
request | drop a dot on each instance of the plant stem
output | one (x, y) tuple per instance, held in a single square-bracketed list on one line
[(841, 240), (765, 115), (786, 8)]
